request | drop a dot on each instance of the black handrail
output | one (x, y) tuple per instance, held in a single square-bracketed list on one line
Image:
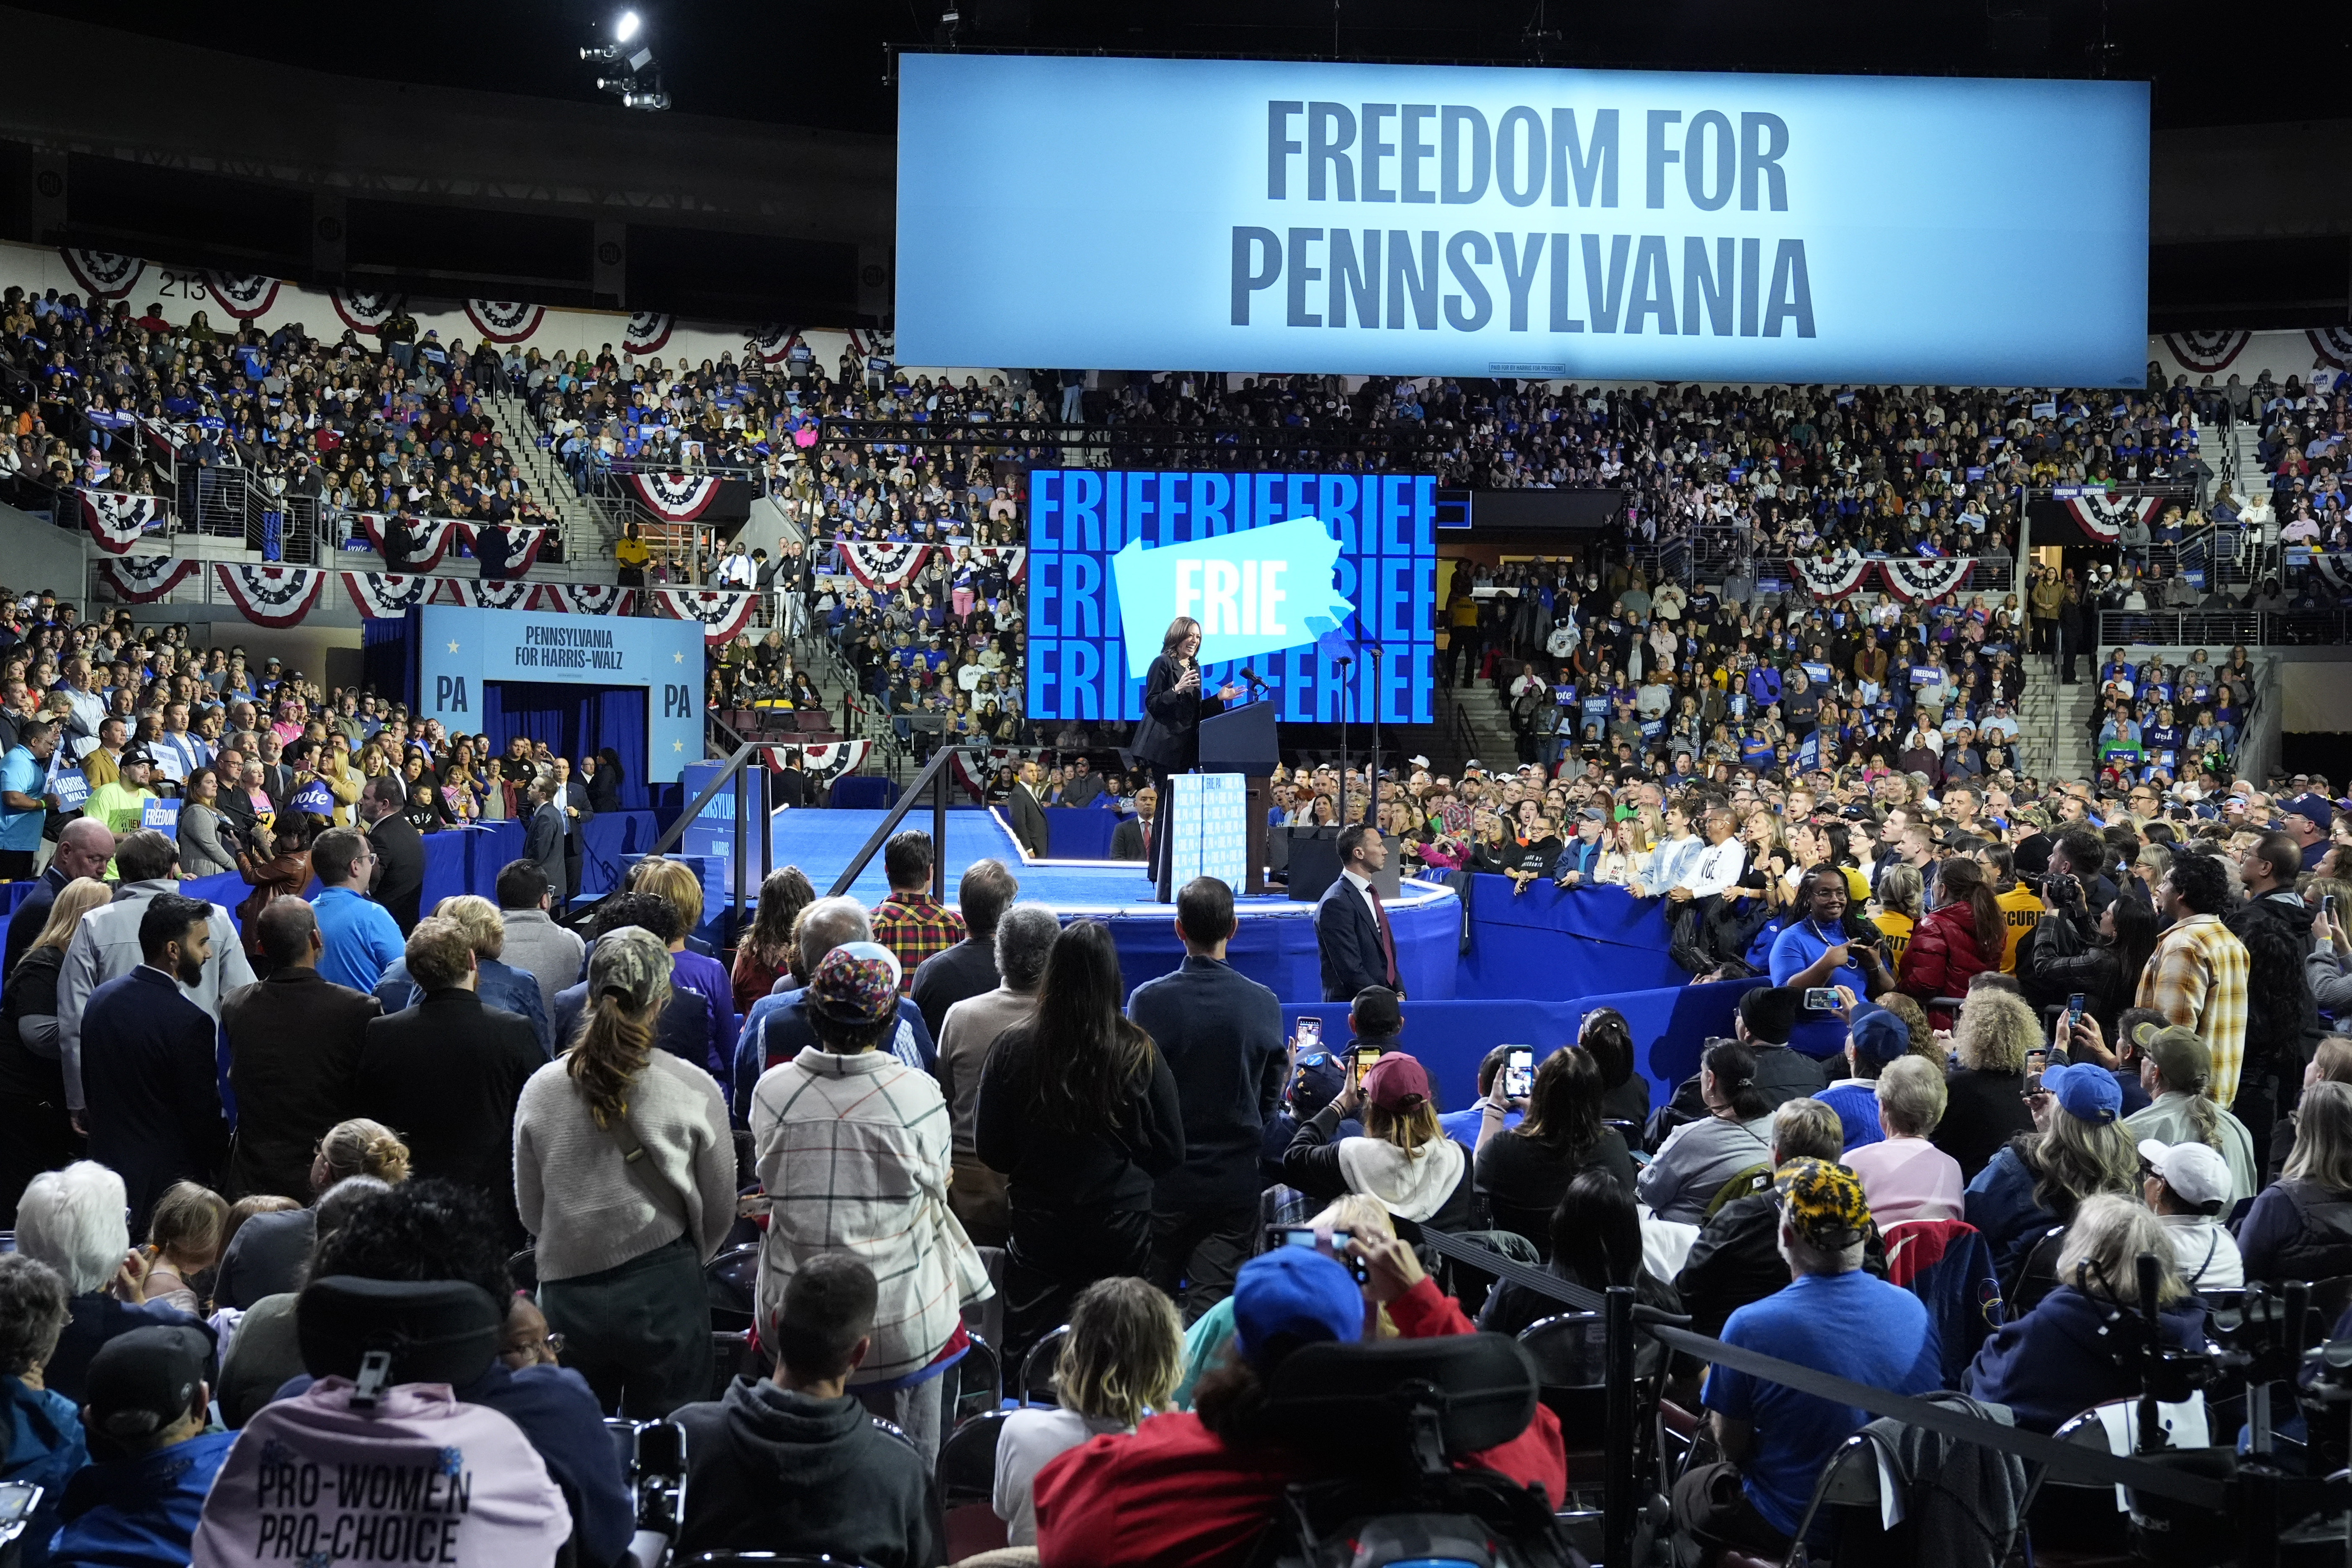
[(934, 775)]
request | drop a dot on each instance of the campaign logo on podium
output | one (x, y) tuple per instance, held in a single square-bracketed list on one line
[(1208, 832)]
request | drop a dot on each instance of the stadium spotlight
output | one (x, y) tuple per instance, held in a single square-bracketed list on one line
[(654, 101), (627, 27)]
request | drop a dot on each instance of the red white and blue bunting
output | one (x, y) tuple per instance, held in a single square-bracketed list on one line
[(587, 599), (1829, 577), (104, 274), (1913, 581), (723, 614), (117, 521), (648, 331), (674, 497), (2333, 345), (2102, 514), (273, 596), (1013, 558), (367, 309), (504, 321), (826, 763), (145, 579), (387, 596), (243, 295), (882, 564), (429, 538), (2207, 353), (478, 595)]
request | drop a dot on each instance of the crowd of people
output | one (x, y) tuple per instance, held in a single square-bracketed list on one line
[(115, 399)]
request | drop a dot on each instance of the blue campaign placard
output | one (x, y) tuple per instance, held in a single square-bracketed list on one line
[(460, 648), (1355, 218), (1268, 563), (161, 815), (71, 787)]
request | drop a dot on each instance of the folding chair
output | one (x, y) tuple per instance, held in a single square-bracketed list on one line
[(1037, 1368), (966, 1475)]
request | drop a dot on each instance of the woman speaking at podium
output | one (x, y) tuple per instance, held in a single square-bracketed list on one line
[(1168, 738)]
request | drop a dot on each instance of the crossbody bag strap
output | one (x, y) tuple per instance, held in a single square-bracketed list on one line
[(651, 1179)]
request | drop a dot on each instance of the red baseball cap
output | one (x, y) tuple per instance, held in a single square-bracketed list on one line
[(1396, 1083)]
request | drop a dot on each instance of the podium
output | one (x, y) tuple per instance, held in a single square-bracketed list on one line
[(1241, 741)]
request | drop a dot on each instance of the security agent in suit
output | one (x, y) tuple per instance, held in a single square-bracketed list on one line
[(572, 797), (1168, 737), (148, 1071), (543, 837), (1028, 811), (399, 884), (1355, 950), (1130, 840)]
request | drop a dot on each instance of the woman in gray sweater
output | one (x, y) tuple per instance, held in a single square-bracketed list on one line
[(1698, 1157), (203, 851), (621, 1242)]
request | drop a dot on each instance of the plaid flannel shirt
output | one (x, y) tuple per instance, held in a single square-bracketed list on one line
[(2196, 977), (855, 1155), (914, 926)]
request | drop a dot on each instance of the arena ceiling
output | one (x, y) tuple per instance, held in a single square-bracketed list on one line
[(825, 63)]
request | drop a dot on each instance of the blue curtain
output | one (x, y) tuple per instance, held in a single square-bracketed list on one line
[(573, 721)]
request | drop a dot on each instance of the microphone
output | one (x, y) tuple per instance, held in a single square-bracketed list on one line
[(1251, 676)]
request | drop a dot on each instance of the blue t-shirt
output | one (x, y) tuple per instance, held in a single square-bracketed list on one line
[(26, 774), (1854, 1326), (1794, 950), (360, 935)]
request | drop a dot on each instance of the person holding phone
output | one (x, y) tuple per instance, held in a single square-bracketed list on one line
[(1404, 1159), (1524, 1171), (1825, 946)]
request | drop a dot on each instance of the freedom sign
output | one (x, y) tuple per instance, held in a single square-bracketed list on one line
[(1261, 216)]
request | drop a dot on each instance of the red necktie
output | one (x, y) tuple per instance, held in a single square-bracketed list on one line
[(1147, 839), (1388, 938)]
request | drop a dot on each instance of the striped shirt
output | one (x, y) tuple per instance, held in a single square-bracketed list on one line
[(2197, 978)]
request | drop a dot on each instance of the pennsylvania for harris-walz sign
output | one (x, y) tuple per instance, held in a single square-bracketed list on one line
[(1467, 221)]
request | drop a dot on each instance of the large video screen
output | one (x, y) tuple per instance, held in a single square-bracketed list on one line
[(1470, 221), (1287, 573)]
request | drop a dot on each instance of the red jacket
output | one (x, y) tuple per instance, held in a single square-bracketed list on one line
[(1175, 1495), (1943, 956)]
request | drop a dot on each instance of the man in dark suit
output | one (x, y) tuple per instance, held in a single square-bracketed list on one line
[(1351, 930), (1221, 1035), (449, 1071), (1028, 812), (572, 795), (1131, 840), (399, 884), (294, 1043), (543, 837), (147, 1062), (83, 849)]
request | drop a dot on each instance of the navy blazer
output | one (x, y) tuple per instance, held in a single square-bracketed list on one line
[(1349, 939), (149, 1071)]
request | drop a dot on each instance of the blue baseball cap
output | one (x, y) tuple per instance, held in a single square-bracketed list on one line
[(1880, 1036), (1296, 1293), (2088, 1093)]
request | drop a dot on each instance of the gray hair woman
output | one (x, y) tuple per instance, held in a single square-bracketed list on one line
[(1905, 1175), (73, 1220)]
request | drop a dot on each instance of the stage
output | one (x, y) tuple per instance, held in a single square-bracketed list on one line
[(1275, 947)]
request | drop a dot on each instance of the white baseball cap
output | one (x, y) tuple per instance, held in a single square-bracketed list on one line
[(2198, 1173)]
